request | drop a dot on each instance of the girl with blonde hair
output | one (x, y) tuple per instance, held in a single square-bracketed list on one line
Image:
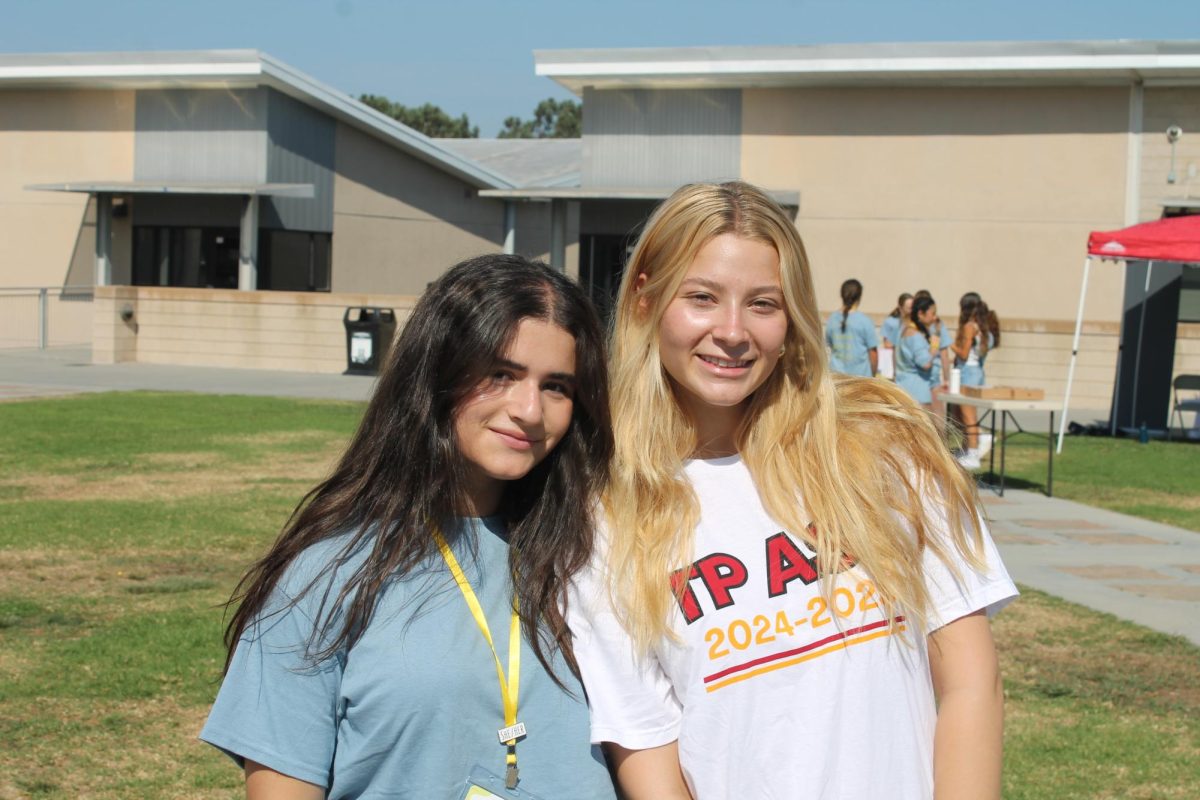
[(791, 588)]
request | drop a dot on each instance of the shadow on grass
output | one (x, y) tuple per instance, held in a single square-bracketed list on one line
[(990, 483)]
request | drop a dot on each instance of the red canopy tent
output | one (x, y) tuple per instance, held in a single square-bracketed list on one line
[(1175, 240)]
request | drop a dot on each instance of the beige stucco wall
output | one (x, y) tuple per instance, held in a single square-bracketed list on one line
[(398, 222), (57, 136), (1162, 108), (992, 190), (297, 331)]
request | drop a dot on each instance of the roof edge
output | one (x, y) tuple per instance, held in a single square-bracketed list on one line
[(235, 68), (877, 62)]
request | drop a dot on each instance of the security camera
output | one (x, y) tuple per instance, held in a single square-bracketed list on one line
[(1174, 134)]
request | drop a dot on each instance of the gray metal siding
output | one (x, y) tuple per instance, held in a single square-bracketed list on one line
[(660, 137), (201, 135), (300, 149)]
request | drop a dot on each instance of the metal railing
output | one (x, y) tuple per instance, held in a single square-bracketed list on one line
[(44, 316)]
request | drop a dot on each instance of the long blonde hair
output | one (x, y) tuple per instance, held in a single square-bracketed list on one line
[(855, 457)]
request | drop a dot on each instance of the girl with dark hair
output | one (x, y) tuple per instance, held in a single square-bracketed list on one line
[(939, 334), (917, 353), (890, 328), (889, 335), (365, 657), (972, 342), (850, 334)]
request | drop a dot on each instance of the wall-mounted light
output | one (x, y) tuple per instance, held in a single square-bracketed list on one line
[(126, 313), (1174, 134)]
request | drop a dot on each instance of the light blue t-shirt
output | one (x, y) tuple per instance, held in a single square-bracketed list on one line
[(915, 368), (415, 703), (849, 348), (890, 329)]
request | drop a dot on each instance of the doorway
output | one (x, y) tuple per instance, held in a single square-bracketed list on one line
[(195, 257)]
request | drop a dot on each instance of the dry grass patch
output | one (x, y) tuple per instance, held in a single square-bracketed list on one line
[(144, 748), (1125, 497), (1096, 707), (89, 576), (1049, 648), (272, 439), (210, 475)]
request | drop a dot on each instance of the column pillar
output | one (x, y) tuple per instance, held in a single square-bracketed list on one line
[(248, 246), (103, 239), (510, 227)]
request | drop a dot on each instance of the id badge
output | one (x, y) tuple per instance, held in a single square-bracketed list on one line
[(483, 785)]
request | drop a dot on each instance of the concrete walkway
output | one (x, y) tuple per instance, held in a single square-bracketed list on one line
[(68, 370), (1137, 570)]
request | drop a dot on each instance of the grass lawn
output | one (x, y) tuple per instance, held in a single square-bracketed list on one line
[(1157, 480), (125, 520)]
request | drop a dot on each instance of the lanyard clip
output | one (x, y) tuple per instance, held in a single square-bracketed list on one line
[(510, 777)]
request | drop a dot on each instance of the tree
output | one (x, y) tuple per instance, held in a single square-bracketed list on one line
[(428, 118), (552, 119)]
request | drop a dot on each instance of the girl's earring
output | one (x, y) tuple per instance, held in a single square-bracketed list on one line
[(782, 349)]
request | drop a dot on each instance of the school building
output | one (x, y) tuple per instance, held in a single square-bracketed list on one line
[(227, 208)]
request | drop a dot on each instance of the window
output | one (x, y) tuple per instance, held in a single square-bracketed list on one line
[(296, 261), (293, 261), (200, 257)]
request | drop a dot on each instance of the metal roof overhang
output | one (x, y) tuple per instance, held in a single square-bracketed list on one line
[(939, 63), (548, 193), (231, 69), (302, 190)]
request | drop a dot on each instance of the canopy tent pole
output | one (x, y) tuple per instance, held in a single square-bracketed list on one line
[(1062, 422)]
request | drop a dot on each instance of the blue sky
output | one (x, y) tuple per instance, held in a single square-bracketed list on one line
[(476, 56)]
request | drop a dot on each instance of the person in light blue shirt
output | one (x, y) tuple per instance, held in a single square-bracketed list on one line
[(850, 334), (917, 353), (889, 336), (893, 324), (940, 334), (370, 655)]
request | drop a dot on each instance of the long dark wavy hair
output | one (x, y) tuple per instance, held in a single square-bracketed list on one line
[(920, 306), (402, 472)]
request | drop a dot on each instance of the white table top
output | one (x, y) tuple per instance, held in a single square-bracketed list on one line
[(999, 404)]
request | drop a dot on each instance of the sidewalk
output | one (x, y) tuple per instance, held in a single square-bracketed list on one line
[(1141, 571), (1138, 570), (29, 372)]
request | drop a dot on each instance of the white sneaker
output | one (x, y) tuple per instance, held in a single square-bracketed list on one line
[(969, 460), (985, 444)]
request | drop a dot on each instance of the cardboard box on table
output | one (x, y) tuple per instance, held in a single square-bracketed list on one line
[(1003, 393)]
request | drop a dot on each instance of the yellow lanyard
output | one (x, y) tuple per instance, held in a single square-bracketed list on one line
[(512, 730)]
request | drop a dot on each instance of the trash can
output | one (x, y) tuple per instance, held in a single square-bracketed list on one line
[(368, 338)]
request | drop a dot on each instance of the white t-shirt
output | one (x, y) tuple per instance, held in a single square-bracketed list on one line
[(774, 692)]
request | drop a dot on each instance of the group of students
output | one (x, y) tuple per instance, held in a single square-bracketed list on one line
[(914, 348), (738, 573)]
